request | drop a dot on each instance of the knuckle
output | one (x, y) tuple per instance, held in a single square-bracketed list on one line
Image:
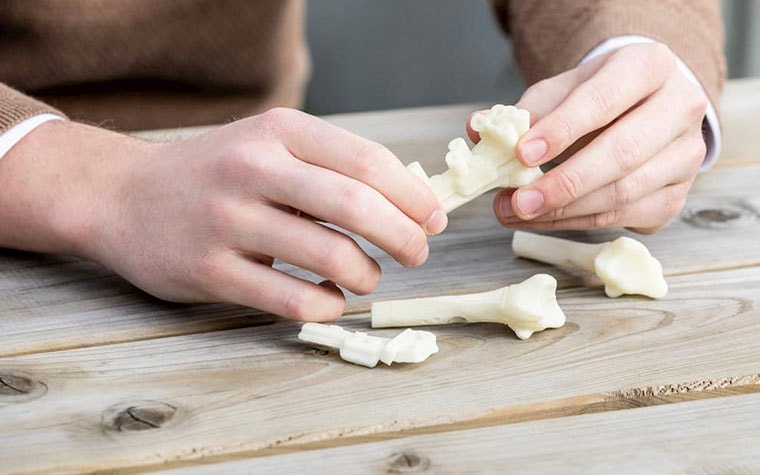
[(235, 158), (606, 219), (562, 132), (569, 184), (334, 260), (413, 244), (534, 91), (220, 215), (371, 280), (603, 98), (626, 190), (368, 281), (675, 201), (210, 270), (696, 102), (354, 202), (557, 214), (626, 151), (659, 57), (699, 150), (277, 117), (423, 200), (297, 305), (371, 158)]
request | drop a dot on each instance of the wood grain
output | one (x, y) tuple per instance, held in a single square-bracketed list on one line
[(256, 391), (717, 436), (50, 303)]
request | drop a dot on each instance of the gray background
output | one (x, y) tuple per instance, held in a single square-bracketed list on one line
[(371, 55)]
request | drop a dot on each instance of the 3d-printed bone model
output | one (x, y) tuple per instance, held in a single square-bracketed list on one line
[(624, 265), (527, 307), (491, 163), (410, 346)]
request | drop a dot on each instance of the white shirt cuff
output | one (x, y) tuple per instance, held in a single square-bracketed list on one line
[(14, 135), (710, 126)]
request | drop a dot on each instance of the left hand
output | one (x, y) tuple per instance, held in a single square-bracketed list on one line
[(644, 118)]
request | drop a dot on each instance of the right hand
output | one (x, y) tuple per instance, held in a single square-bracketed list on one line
[(203, 220)]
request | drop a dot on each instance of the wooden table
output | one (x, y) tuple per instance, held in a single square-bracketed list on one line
[(97, 376)]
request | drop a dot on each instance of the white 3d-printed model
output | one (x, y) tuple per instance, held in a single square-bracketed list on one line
[(410, 346), (527, 307), (491, 163), (624, 265)]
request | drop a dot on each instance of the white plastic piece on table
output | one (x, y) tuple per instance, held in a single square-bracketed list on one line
[(410, 346), (491, 163), (527, 307), (625, 265)]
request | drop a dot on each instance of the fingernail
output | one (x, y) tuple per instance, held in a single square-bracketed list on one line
[(505, 207), (533, 151), (436, 223), (528, 201), (421, 257)]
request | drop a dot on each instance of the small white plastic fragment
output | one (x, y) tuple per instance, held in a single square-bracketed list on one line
[(491, 163), (625, 265), (527, 307), (410, 346)]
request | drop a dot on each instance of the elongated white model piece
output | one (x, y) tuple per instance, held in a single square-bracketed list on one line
[(527, 307), (491, 163), (624, 265), (410, 346)]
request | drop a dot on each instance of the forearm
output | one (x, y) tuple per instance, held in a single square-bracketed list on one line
[(52, 185)]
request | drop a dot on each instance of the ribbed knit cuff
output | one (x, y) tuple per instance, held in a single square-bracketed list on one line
[(16, 107)]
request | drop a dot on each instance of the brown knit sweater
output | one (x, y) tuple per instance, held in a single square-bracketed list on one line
[(140, 64)]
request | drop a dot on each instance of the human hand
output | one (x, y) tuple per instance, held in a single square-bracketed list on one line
[(204, 219), (633, 124)]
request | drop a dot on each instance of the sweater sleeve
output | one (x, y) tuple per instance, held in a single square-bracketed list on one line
[(552, 36), (16, 107)]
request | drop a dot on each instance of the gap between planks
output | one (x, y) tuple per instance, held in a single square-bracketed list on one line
[(632, 398)]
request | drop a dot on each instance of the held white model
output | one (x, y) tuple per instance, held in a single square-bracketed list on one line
[(491, 163)]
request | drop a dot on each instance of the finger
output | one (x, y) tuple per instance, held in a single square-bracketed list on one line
[(677, 162), (308, 245), (322, 144), (248, 283), (649, 214), (615, 153), (350, 204), (546, 95), (598, 101)]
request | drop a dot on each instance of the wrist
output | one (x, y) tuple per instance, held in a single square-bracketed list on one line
[(57, 185)]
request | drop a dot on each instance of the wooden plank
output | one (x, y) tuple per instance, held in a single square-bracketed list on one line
[(250, 391), (716, 436), (49, 303)]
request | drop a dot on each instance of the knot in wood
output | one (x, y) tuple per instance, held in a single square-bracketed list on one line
[(18, 388), (407, 462), (721, 217), (137, 416)]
